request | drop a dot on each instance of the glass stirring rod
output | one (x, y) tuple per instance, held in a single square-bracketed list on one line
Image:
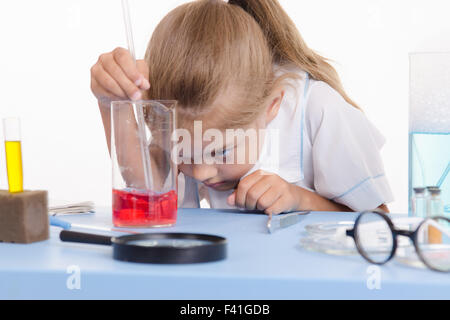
[(13, 148), (139, 112)]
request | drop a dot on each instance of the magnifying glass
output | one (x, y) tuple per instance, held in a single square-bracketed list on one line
[(157, 248)]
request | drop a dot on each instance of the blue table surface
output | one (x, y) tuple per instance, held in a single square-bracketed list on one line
[(259, 266)]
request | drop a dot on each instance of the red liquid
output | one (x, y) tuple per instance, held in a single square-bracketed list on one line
[(138, 209)]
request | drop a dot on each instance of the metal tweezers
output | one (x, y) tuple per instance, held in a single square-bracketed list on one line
[(275, 223)]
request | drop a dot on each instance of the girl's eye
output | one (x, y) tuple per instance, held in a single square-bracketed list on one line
[(224, 153)]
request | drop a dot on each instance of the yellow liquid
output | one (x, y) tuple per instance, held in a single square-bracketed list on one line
[(14, 166)]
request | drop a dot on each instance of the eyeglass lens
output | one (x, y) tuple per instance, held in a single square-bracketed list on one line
[(433, 243), (374, 237)]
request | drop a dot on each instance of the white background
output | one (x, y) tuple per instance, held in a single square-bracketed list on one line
[(48, 47)]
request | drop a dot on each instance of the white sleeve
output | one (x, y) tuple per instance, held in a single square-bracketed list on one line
[(348, 168)]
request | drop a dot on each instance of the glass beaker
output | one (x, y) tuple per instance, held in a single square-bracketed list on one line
[(429, 130), (144, 175)]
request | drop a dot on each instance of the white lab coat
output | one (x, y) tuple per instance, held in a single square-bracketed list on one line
[(320, 142)]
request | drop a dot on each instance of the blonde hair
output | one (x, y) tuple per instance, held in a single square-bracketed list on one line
[(207, 49)]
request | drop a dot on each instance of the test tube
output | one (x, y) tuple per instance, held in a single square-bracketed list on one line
[(13, 150)]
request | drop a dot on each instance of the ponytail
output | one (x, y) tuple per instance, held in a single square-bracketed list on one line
[(287, 45)]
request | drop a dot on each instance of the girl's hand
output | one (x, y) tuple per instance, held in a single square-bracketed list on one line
[(115, 76), (267, 192)]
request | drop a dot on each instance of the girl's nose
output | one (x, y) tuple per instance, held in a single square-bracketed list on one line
[(203, 172)]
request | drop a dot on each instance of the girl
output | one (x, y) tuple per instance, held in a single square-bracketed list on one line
[(244, 65)]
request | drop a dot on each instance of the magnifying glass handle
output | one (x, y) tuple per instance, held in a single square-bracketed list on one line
[(78, 237)]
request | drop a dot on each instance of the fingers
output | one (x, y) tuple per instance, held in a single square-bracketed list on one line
[(279, 206), (108, 87), (269, 199), (102, 95), (115, 71), (255, 194), (130, 68), (127, 63), (244, 187), (143, 69), (265, 192)]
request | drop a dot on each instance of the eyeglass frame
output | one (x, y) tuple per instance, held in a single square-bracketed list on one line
[(412, 235)]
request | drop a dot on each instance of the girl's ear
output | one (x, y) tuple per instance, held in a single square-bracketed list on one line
[(274, 106)]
